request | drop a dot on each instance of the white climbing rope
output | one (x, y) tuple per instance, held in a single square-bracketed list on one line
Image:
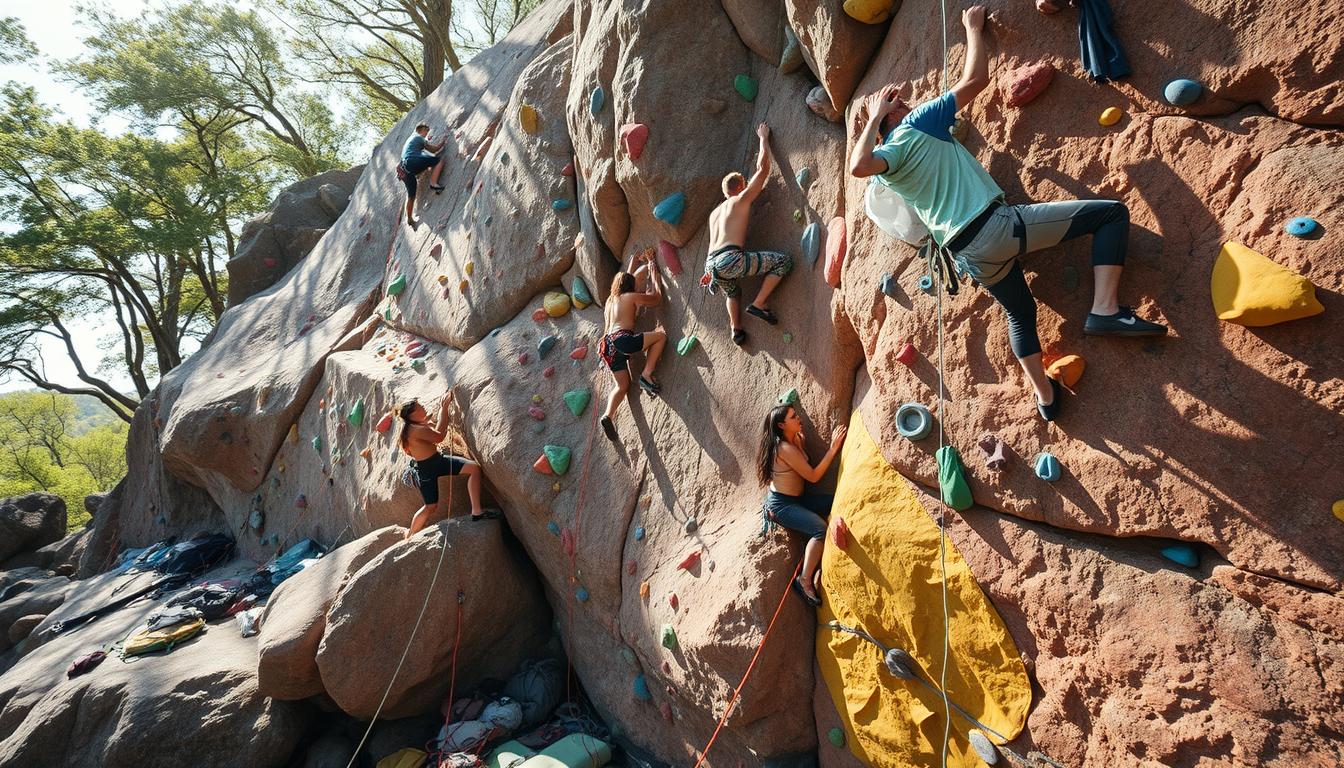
[(942, 416)]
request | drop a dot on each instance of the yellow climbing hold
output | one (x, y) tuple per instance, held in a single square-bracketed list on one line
[(556, 303), (443, 279), (887, 583), (293, 436), (1249, 289), (1110, 116), (1338, 509), (469, 268), (528, 118), (869, 11), (462, 286)]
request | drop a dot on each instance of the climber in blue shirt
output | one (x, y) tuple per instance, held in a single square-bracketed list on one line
[(963, 209), (417, 156)]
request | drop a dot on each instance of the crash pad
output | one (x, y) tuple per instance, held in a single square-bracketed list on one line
[(888, 583), (835, 250), (633, 137), (556, 303), (869, 11), (1249, 289), (577, 400), (578, 293), (409, 757)]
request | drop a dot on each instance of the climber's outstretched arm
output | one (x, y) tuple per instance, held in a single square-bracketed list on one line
[(975, 75), (758, 179), (862, 161)]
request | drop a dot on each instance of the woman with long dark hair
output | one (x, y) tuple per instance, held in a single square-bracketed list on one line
[(785, 468), (420, 440)]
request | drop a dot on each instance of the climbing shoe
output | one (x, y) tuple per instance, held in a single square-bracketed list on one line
[(436, 187), (809, 599), (651, 387), (764, 314), (1049, 412), (487, 514), (609, 428), (739, 337), (1122, 323)]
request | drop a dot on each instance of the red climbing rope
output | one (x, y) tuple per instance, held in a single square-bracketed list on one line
[(732, 700)]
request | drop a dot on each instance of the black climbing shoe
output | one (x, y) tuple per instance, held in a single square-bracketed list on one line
[(436, 187), (651, 387), (1122, 323), (609, 428), (487, 514), (764, 314), (798, 587), (1049, 412), (739, 337)]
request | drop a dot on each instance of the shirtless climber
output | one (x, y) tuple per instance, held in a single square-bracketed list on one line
[(728, 261), (965, 214), (621, 341), (420, 440), (417, 156)]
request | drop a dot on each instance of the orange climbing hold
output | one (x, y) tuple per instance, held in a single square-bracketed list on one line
[(690, 561), (528, 119), (835, 250), (1067, 370), (542, 465), (579, 353)]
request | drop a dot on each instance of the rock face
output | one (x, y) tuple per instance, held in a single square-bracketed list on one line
[(29, 522), (271, 244), (1220, 436)]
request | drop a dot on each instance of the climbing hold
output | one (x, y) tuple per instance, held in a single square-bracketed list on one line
[(539, 314), (887, 285), (993, 448), (667, 252), (1249, 289), (1300, 226), (639, 533), (293, 436), (417, 349), (1047, 467), (926, 284), (558, 457), (788, 398), (803, 177), (907, 355), (690, 526), (633, 137), (356, 415), (1067, 370), (577, 401), (581, 594), (836, 736), (792, 57), (301, 502), (788, 337), (689, 561), (443, 279), (644, 590), (542, 465), (556, 303), (819, 101), (317, 443), (666, 709), (397, 285), (797, 216), (523, 357), (561, 205), (952, 479), (835, 250), (555, 487), (596, 100), (983, 747), (568, 170), (913, 421), (567, 541), (670, 208), (544, 346), (686, 345), (578, 293), (746, 87), (536, 399), (840, 533), (1182, 92), (1024, 84), (899, 663), (263, 395), (641, 688), (630, 567), (579, 353), (366, 453), (418, 365), (1110, 116), (553, 528), (811, 243), (668, 637), (869, 11), (528, 118), (1337, 509), (256, 520), (536, 413), (1184, 554)]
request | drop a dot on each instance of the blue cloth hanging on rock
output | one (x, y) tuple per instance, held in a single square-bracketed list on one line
[(1103, 58)]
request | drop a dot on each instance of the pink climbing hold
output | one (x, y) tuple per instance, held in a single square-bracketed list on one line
[(630, 567), (385, 423), (666, 709), (301, 502), (536, 413), (1026, 83), (667, 252), (416, 349), (539, 314), (523, 358), (436, 251), (840, 534), (579, 353), (542, 465), (567, 541), (634, 136), (835, 250), (907, 355), (673, 601), (549, 372), (568, 170), (270, 262), (690, 561)]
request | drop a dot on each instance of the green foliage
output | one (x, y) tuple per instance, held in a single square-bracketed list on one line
[(15, 46), (46, 445)]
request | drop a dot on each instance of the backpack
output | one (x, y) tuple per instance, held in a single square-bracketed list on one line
[(85, 664), (146, 640), (167, 617), (194, 557), (212, 600), (537, 686)]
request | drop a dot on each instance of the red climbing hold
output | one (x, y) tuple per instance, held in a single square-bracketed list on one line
[(549, 372), (579, 353), (690, 561), (667, 252), (840, 534), (630, 567), (907, 354), (568, 170), (536, 413), (673, 601), (835, 250), (523, 358), (567, 541), (385, 423), (666, 709), (542, 465), (1026, 83), (269, 262), (436, 251), (634, 136), (539, 314)]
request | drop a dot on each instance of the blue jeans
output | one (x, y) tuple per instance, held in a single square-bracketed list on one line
[(803, 514)]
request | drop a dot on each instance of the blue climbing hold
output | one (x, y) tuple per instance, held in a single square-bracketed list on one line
[(670, 208), (1047, 467), (561, 205), (811, 243), (639, 533), (1182, 92), (546, 345), (581, 594), (596, 100), (888, 285), (802, 177), (926, 284), (913, 421), (553, 528), (1300, 226), (1183, 554), (641, 688)]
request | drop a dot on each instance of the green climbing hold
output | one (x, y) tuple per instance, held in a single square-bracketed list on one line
[(789, 398), (397, 285), (952, 479), (746, 87), (558, 457), (836, 736), (788, 337), (356, 415), (596, 101), (1183, 554), (577, 400), (317, 443), (544, 346), (579, 293), (669, 637), (687, 345)]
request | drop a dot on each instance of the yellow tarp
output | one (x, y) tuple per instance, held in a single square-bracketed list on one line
[(887, 582)]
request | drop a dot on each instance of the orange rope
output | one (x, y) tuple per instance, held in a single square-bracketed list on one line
[(732, 700)]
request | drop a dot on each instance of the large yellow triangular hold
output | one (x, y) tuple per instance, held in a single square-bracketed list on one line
[(887, 581), (1249, 289)]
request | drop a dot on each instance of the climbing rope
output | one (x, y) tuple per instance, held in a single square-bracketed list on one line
[(732, 700), (942, 443)]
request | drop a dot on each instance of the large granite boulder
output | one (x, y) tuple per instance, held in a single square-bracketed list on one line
[(30, 522)]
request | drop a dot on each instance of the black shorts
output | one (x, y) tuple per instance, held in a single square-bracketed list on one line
[(623, 346), (428, 472), (417, 164)]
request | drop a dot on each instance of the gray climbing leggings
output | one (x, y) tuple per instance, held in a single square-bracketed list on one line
[(991, 258)]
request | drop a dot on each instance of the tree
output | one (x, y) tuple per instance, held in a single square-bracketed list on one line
[(15, 47)]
